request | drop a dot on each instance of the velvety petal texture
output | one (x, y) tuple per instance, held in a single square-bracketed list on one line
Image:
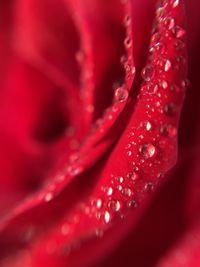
[(94, 168)]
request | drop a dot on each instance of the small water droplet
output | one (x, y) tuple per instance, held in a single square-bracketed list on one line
[(147, 150), (128, 42), (127, 192), (114, 205), (168, 130), (129, 153), (148, 73), (99, 203), (106, 217), (169, 23), (148, 125), (48, 197), (127, 20), (121, 94), (109, 191), (168, 65), (149, 187), (133, 176), (178, 32), (164, 84), (174, 3), (170, 109), (132, 204)]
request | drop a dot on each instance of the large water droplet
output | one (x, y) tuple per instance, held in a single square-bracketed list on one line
[(148, 73), (121, 94), (147, 150)]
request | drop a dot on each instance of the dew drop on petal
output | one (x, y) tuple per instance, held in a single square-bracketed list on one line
[(168, 65), (106, 217), (147, 150), (169, 23), (128, 42), (133, 176), (129, 153), (178, 32), (148, 125), (132, 204), (175, 3), (48, 197), (121, 94), (127, 192), (149, 187), (109, 191), (148, 73), (170, 109), (127, 20), (114, 205), (168, 130), (99, 203)]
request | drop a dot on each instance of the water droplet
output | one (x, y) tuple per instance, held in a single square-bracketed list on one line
[(148, 125), (121, 94), (99, 203), (109, 191), (127, 20), (164, 84), (132, 204), (155, 39), (169, 23), (170, 109), (178, 32), (147, 150), (129, 153), (168, 65), (128, 42), (168, 130), (174, 3), (106, 217), (48, 197), (133, 176), (114, 205), (119, 187), (149, 187), (127, 192), (148, 73)]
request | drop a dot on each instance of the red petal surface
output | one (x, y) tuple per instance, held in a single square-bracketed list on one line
[(133, 145)]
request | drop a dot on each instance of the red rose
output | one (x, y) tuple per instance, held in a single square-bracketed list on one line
[(91, 97)]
